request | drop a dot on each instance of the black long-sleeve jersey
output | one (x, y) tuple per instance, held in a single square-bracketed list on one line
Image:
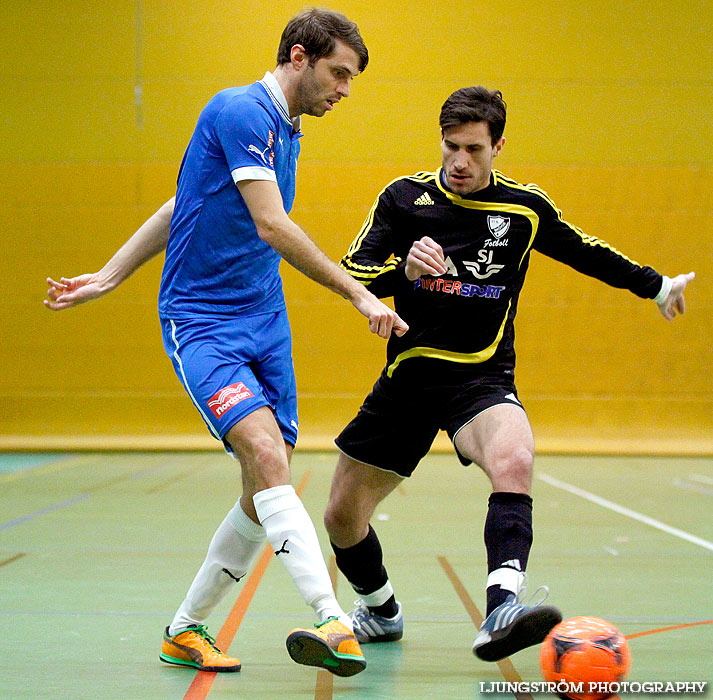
[(466, 315)]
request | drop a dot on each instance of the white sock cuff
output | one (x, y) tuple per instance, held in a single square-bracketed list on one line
[(245, 526), (507, 578), (380, 596), (275, 500)]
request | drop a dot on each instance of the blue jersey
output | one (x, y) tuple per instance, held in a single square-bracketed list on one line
[(216, 263)]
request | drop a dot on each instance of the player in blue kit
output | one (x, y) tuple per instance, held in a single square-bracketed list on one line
[(225, 327)]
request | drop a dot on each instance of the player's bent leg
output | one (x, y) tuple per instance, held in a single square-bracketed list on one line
[(258, 443), (357, 489), (377, 615), (233, 548), (500, 441)]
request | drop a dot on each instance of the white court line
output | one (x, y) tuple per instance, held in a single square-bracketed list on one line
[(625, 511), (689, 486)]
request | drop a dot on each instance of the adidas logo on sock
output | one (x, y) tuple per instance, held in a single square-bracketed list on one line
[(424, 200), (512, 564)]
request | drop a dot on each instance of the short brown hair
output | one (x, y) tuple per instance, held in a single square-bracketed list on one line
[(318, 30), (475, 104)]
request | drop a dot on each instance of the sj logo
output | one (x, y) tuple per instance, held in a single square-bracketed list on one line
[(481, 269), (484, 267)]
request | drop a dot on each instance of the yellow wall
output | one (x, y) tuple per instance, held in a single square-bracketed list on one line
[(609, 112)]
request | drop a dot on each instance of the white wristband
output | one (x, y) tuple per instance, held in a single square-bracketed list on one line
[(666, 285)]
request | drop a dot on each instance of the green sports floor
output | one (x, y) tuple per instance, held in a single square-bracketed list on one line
[(97, 550)]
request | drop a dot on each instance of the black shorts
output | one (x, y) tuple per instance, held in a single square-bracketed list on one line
[(400, 418)]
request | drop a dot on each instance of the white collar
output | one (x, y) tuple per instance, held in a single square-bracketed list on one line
[(274, 91)]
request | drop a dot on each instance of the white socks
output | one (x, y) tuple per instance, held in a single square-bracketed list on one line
[(233, 549), (293, 538), (238, 540)]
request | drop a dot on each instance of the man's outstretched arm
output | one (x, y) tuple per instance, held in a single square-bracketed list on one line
[(146, 243)]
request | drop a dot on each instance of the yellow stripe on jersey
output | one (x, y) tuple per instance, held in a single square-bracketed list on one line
[(366, 274), (487, 353), (589, 240), (528, 213), (463, 357)]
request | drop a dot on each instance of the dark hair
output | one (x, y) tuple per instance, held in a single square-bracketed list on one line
[(475, 104), (317, 30)]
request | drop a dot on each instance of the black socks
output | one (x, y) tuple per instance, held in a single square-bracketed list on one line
[(508, 539), (363, 567)]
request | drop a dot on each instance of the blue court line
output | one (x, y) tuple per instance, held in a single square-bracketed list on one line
[(11, 462), (76, 499), (44, 511)]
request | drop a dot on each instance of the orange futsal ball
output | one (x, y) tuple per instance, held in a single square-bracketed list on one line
[(581, 651)]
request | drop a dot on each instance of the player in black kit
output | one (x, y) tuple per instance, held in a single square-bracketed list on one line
[(453, 247)]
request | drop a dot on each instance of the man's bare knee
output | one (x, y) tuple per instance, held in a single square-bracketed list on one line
[(340, 522), (512, 471), (263, 460)]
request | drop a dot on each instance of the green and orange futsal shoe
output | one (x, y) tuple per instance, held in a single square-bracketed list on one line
[(195, 648), (330, 645)]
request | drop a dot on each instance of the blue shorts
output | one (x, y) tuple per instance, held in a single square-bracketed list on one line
[(230, 367)]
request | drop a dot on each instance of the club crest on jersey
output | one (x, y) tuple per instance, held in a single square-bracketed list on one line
[(227, 397), (498, 225)]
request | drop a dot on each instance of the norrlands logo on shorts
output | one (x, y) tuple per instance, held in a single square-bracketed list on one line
[(227, 397)]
